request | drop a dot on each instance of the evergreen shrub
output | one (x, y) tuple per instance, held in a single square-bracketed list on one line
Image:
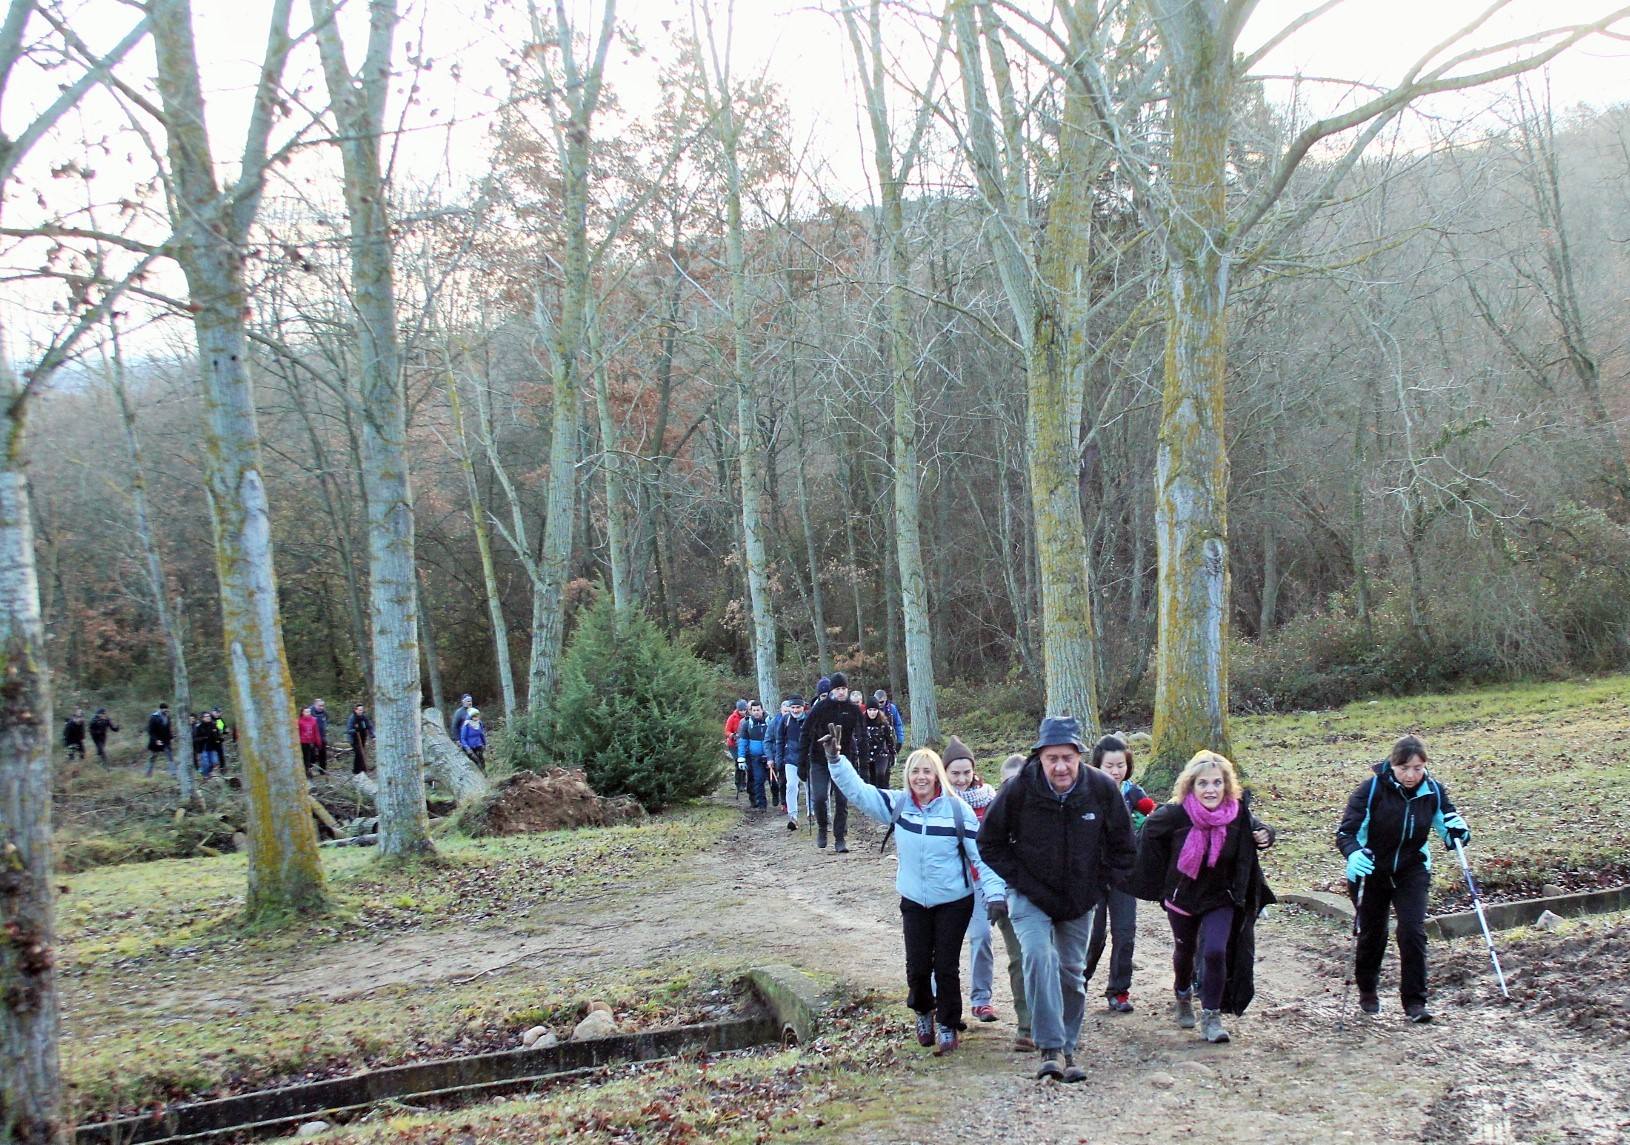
[(636, 711)]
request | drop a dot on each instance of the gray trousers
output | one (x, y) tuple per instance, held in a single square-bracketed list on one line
[(1118, 915), (1055, 956)]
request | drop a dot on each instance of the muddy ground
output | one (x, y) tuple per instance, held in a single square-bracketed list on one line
[(1550, 1066)]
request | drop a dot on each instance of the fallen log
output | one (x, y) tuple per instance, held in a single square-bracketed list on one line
[(447, 764)]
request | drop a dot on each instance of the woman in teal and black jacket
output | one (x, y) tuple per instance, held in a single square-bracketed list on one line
[(935, 833), (1385, 834)]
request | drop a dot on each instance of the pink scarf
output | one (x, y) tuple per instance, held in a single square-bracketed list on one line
[(1206, 836)]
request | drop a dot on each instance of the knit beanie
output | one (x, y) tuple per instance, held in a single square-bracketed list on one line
[(956, 750)]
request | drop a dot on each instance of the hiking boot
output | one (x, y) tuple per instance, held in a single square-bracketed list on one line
[(1120, 1003), (1183, 1007), (1072, 1072), (1369, 1001), (820, 837), (792, 824), (946, 1043), (985, 1013), (1024, 1044), (925, 1029), (1417, 1012), (1052, 1065), (841, 849), (1211, 1027)]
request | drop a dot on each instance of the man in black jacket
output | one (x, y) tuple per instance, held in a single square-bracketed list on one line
[(1060, 835), (835, 708), (160, 738)]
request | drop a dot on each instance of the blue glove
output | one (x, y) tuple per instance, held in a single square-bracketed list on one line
[(1359, 864), (1455, 829)]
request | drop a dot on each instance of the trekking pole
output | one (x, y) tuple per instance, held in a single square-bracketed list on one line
[(1482, 921), (1352, 956)]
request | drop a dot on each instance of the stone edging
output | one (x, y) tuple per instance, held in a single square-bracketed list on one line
[(1501, 915), (792, 1002)]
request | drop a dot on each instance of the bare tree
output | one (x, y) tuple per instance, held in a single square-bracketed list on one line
[(211, 232), (894, 166), (358, 106)]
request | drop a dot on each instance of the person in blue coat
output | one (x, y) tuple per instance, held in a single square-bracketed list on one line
[(936, 836), (472, 736)]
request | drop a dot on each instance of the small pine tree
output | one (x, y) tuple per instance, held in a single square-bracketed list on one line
[(634, 710)]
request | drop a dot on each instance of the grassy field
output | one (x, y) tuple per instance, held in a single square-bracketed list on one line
[(142, 941)]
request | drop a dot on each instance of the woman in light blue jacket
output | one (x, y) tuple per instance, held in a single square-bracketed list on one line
[(935, 832)]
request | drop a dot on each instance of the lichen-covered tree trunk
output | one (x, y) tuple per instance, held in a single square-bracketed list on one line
[(1056, 376), (393, 600), (1191, 466), (447, 763), (30, 1070), (285, 873), (1047, 282), (483, 546)]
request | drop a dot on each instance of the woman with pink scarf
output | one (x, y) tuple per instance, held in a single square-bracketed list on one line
[(1198, 859)]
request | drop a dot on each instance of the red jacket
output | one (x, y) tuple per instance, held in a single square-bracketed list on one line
[(730, 725), (308, 730)]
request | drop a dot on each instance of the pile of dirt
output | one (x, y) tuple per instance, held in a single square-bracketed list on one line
[(531, 801), (1581, 977)]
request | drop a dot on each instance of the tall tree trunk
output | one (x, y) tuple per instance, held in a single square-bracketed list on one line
[(1047, 281), (169, 622), (285, 873), (611, 464), (358, 106), (1056, 373), (574, 105), (483, 546), (1191, 508), (30, 1070), (817, 601), (749, 451)]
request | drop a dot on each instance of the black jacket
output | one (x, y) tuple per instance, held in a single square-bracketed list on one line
[(1238, 874), (359, 726), (830, 711), (159, 731), (1396, 824), (1228, 883), (876, 743), (1061, 854), (206, 736), (100, 726), (74, 730)]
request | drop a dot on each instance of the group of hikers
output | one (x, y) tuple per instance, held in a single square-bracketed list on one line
[(1058, 852), (211, 734)]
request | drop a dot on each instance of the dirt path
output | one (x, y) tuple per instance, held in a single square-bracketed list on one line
[(1486, 1073)]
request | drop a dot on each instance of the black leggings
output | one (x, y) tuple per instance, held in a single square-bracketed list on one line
[(934, 957), (1205, 935)]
